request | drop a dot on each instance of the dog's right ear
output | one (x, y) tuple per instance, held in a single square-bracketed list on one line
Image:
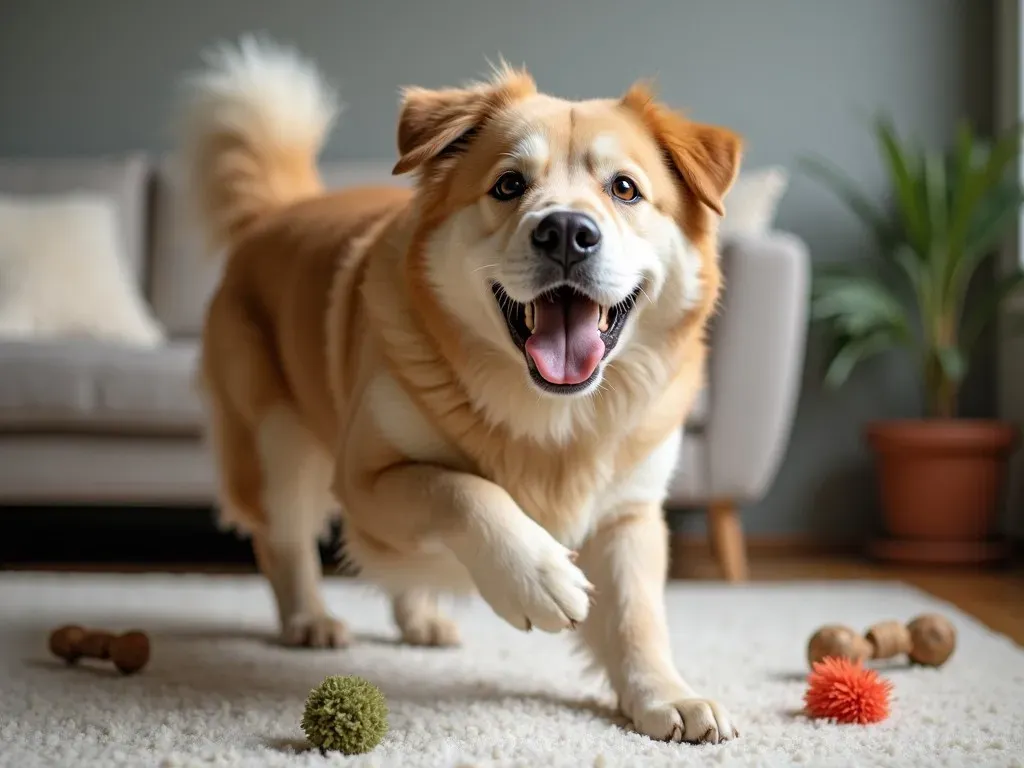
[(435, 124)]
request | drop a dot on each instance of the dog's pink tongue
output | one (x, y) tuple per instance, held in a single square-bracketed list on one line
[(566, 345)]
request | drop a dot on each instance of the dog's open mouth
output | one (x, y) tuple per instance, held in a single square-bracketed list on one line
[(564, 334)]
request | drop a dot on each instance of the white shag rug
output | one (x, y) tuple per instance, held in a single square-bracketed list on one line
[(219, 692)]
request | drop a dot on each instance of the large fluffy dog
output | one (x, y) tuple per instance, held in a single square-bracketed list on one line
[(486, 373)]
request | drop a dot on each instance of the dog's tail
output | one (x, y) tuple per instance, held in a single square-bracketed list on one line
[(253, 125)]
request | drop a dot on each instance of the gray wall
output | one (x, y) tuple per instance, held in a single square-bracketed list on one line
[(794, 76)]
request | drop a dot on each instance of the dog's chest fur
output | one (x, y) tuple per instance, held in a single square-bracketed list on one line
[(570, 491), (568, 488)]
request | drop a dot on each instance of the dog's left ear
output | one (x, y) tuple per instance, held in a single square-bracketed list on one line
[(707, 157), (436, 123)]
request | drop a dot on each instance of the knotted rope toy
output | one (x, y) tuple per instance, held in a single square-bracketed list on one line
[(929, 640)]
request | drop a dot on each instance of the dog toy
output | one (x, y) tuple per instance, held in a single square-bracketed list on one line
[(928, 640), (129, 652), (846, 691), (347, 714)]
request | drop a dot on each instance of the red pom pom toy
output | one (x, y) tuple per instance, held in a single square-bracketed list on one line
[(846, 692)]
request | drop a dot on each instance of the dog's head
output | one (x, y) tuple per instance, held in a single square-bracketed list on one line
[(561, 232)]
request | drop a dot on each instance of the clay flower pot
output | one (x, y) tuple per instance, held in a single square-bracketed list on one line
[(941, 482)]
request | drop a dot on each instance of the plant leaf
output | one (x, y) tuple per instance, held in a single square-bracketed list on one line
[(943, 257), (982, 313), (851, 353), (937, 187), (862, 314), (998, 210), (985, 169), (900, 166), (857, 305), (965, 158), (953, 363), (995, 215), (907, 260)]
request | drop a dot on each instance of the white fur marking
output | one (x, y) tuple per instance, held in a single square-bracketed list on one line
[(604, 149), (649, 480), (404, 426), (533, 149)]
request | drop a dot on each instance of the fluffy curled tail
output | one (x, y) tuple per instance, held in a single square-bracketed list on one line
[(254, 122)]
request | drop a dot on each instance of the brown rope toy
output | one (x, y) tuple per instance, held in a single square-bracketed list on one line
[(129, 652), (929, 640)]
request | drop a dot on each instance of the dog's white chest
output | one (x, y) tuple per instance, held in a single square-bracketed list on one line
[(404, 425), (646, 483)]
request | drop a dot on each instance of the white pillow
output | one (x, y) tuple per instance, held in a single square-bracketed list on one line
[(753, 201), (63, 275)]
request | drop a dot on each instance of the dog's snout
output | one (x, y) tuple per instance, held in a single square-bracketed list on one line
[(566, 237)]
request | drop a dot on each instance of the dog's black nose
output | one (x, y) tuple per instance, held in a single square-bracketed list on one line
[(567, 237)]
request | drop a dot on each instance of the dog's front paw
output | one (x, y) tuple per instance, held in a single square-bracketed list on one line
[(314, 631), (533, 582), (698, 721)]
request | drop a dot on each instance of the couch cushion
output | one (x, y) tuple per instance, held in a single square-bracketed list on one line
[(91, 387), (63, 273), (124, 180), (183, 274)]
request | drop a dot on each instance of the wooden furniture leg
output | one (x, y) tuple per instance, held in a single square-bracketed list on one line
[(726, 536)]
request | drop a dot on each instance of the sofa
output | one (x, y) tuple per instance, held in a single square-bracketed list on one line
[(84, 420)]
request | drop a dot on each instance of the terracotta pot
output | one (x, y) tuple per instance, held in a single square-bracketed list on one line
[(941, 483)]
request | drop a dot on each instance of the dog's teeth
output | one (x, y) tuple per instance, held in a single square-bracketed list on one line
[(602, 320), (528, 316)]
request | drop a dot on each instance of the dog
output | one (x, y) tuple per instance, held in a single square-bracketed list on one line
[(484, 372)]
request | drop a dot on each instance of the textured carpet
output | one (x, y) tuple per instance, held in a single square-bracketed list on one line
[(219, 692)]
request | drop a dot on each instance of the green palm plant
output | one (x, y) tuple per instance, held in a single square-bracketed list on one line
[(951, 211)]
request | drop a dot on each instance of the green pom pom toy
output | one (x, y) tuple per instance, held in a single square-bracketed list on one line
[(347, 714)]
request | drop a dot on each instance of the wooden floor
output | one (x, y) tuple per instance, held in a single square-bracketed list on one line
[(995, 597)]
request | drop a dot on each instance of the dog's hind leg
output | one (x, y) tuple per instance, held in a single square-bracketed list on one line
[(296, 504), (420, 620)]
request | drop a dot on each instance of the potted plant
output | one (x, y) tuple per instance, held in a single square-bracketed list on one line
[(941, 476)]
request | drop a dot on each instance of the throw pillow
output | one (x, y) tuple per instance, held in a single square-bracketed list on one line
[(753, 201), (63, 272)]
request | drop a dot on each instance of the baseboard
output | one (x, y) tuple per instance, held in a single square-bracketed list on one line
[(795, 545), (690, 553)]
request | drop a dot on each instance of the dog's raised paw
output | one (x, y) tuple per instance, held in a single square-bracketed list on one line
[(543, 589), (315, 631), (697, 721)]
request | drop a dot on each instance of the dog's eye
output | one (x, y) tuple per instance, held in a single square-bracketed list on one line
[(625, 189), (509, 186)]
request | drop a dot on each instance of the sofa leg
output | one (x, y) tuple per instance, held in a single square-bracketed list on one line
[(727, 544)]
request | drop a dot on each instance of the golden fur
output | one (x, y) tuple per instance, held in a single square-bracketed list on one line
[(354, 357)]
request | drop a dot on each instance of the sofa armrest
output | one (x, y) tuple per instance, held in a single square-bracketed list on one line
[(757, 345)]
